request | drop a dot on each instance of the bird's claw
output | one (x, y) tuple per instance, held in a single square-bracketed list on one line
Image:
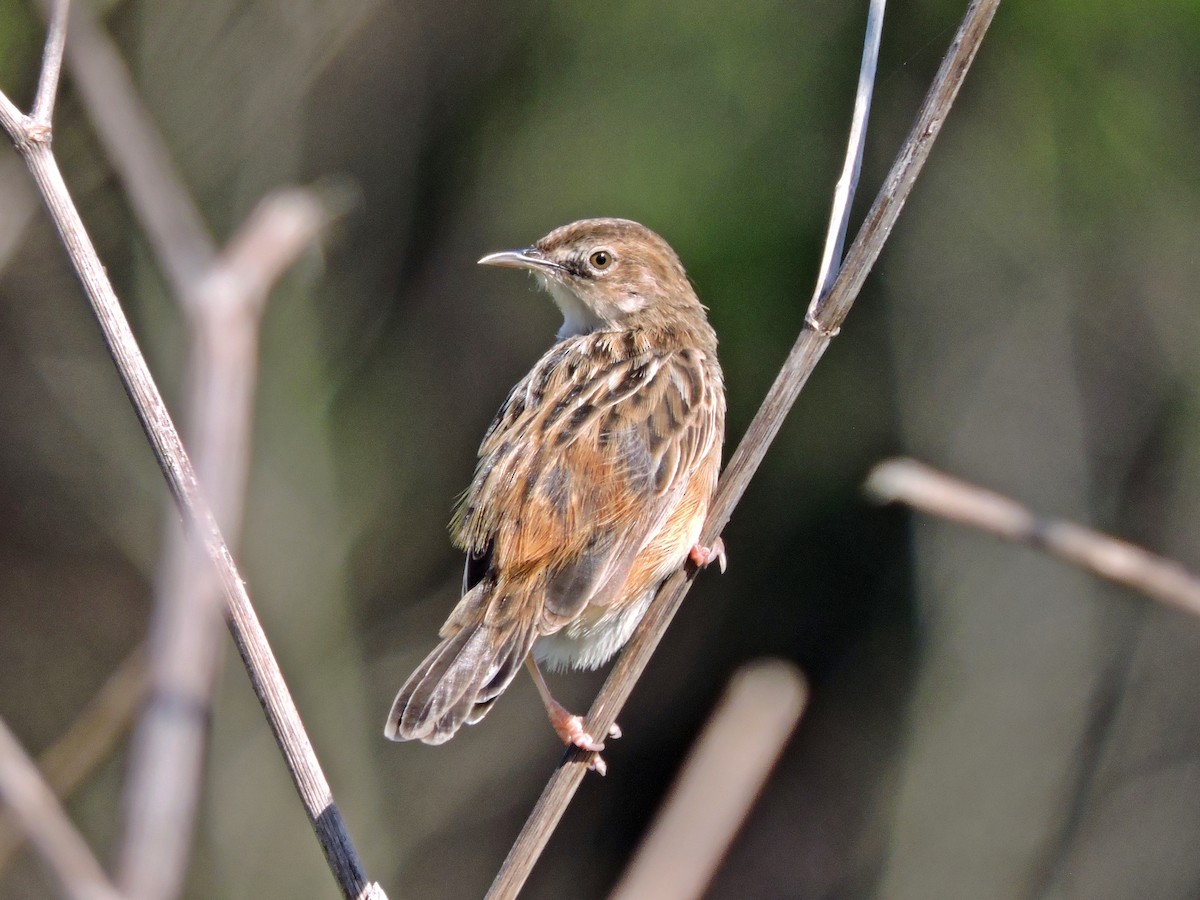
[(703, 556), (570, 730)]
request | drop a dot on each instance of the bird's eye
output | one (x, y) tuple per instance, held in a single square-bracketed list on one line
[(600, 259)]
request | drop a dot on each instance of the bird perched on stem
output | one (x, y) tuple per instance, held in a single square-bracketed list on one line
[(592, 485)]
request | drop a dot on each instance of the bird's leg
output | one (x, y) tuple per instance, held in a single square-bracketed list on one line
[(567, 725), (702, 556)]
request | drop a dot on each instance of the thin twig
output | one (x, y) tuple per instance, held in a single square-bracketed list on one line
[(843, 193), (34, 805), (32, 142), (803, 357), (71, 759), (186, 252), (166, 768), (718, 784), (52, 56), (930, 491)]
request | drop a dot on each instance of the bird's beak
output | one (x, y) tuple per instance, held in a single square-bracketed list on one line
[(529, 258)]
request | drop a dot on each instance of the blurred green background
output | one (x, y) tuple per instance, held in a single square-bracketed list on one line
[(985, 723)]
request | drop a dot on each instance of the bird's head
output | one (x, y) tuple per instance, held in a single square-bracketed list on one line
[(608, 274)]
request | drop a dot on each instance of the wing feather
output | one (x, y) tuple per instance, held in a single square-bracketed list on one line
[(619, 438)]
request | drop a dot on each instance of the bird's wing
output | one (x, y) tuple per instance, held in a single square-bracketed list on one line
[(585, 462)]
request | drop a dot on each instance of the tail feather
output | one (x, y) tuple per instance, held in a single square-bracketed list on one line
[(457, 683)]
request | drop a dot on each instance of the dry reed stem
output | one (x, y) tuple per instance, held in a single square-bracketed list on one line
[(52, 834), (822, 322), (167, 759), (717, 784), (78, 752), (930, 491), (32, 138)]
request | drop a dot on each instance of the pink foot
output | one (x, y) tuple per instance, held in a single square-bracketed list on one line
[(569, 728), (703, 556)]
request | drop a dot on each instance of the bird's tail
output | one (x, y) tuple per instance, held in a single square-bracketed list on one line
[(457, 683)]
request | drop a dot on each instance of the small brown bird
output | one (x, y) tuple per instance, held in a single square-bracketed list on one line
[(592, 484)]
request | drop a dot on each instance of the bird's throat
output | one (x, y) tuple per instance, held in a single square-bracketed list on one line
[(578, 318)]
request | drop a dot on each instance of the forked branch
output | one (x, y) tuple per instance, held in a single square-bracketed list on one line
[(31, 135)]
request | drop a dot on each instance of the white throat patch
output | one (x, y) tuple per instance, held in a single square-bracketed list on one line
[(577, 318)]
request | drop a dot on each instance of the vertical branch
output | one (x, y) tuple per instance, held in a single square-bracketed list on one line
[(831, 310), (821, 323)]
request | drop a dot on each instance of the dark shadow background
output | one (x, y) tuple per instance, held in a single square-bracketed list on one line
[(985, 722)]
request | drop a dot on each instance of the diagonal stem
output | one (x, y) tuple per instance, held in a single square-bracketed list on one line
[(34, 805), (167, 756), (717, 785), (32, 140), (248, 634), (89, 741), (822, 322)]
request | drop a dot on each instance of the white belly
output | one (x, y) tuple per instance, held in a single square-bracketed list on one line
[(587, 645)]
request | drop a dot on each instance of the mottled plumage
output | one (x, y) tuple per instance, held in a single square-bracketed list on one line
[(592, 484)]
